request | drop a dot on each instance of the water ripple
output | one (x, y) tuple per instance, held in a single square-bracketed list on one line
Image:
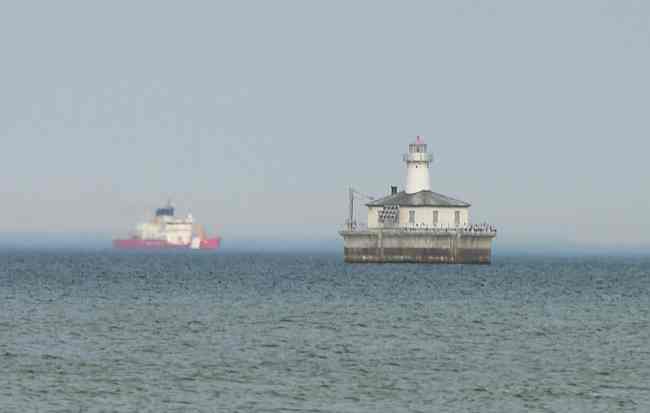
[(196, 332)]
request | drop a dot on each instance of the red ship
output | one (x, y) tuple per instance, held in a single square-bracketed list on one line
[(166, 231)]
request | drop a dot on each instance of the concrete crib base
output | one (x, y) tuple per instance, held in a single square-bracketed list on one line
[(403, 246)]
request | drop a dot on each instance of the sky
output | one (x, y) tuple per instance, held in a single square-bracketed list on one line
[(256, 116)]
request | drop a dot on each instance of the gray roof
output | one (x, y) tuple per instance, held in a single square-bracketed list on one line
[(419, 199)]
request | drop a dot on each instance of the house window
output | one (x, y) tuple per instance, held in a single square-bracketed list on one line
[(411, 217), (435, 218), (457, 218)]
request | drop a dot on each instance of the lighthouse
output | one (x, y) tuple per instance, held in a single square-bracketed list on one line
[(417, 224), (418, 161)]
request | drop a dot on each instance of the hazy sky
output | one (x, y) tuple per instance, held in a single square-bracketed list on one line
[(257, 116)]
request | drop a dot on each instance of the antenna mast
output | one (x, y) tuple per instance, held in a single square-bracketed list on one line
[(352, 223)]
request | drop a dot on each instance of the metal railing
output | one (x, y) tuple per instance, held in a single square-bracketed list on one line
[(477, 229)]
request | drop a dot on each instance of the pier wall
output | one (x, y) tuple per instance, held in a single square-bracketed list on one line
[(394, 246)]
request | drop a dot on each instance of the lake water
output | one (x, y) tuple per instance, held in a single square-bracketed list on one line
[(195, 332)]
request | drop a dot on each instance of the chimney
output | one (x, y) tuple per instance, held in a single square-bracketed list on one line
[(393, 190)]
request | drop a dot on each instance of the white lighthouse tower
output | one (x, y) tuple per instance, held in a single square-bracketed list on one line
[(418, 161)]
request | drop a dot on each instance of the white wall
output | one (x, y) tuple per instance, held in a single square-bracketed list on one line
[(423, 217), (373, 217), (179, 234), (174, 231), (417, 177), (151, 230)]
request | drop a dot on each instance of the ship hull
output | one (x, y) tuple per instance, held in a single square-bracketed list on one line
[(150, 244)]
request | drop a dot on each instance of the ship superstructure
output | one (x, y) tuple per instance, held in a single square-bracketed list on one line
[(166, 230)]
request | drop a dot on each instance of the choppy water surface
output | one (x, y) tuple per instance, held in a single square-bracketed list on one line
[(95, 332)]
